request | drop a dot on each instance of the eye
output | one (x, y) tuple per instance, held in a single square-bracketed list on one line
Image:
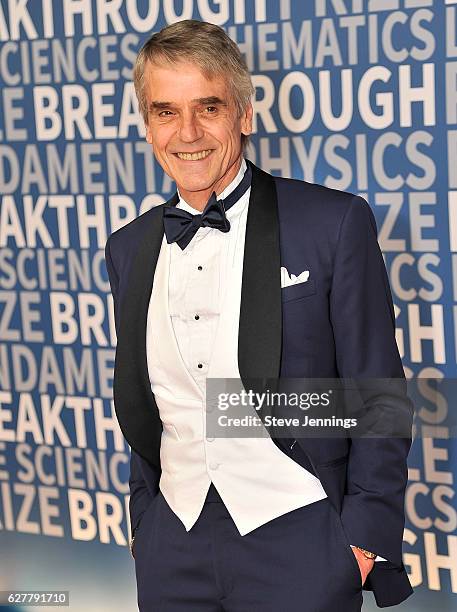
[(165, 113), (211, 109)]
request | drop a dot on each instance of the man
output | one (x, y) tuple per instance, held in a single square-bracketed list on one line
[(247, 524)]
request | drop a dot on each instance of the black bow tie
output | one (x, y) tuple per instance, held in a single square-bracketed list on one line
[(181, 226)]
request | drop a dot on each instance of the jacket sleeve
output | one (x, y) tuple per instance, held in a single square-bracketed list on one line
[(113, 278), (363, 323), (140, 496)]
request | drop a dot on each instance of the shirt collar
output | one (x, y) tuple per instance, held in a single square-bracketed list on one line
[(230, 187)]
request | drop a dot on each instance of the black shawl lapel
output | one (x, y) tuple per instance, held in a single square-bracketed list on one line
[(260, 328), (135, 404)]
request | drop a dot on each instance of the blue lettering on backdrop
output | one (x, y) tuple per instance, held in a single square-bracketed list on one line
[(356, 95)]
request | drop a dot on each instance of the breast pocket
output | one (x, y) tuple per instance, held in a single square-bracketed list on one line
[(297, 292)]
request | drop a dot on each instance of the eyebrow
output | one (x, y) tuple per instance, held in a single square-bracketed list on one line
[(158, 104), (210, 100)]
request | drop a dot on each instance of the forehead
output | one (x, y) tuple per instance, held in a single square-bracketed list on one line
[(180, 82)]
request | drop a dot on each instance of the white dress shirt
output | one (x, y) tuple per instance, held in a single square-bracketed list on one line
[(197, 282)]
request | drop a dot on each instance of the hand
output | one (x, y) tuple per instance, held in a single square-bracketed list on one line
[(365, 565)]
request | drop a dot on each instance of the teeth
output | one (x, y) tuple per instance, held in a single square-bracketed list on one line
[(194, 156)]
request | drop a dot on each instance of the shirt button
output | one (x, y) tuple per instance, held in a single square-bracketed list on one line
[(199, 268), (210, 439), (196, 317), (200, 365), (213, 466)]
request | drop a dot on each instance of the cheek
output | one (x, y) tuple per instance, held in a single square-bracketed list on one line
[(229, 135), (235, 138), (161, 150), (160, 137)]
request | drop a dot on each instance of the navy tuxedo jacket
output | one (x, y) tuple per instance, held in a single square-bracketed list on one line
[(340, 323)]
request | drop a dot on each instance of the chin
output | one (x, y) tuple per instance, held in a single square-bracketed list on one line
[(193, 183)]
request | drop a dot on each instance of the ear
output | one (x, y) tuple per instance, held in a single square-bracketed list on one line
[(148, 134), (246, 120)]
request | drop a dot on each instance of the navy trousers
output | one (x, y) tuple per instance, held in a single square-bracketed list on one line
[(300, 561)]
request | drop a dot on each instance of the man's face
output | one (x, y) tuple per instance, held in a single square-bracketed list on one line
[(194, 128)]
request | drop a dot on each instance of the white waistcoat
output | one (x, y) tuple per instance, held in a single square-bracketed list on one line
[(254, 478)]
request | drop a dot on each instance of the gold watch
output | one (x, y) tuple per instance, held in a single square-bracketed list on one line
[(132, 541), (131, 546), (366, 553)]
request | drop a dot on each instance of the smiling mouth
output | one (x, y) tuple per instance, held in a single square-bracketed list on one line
[(194, 156)]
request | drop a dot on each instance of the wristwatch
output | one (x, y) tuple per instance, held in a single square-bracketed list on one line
[(366, 553)]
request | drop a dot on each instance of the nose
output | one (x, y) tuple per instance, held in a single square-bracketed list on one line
[(189, 128)]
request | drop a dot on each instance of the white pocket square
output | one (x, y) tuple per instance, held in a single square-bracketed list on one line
[(290, 279)]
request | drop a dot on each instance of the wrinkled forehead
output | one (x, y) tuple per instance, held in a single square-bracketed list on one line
[(182, 64), (183, 80)]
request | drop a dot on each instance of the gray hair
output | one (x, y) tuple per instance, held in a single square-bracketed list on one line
[(205, 44)]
